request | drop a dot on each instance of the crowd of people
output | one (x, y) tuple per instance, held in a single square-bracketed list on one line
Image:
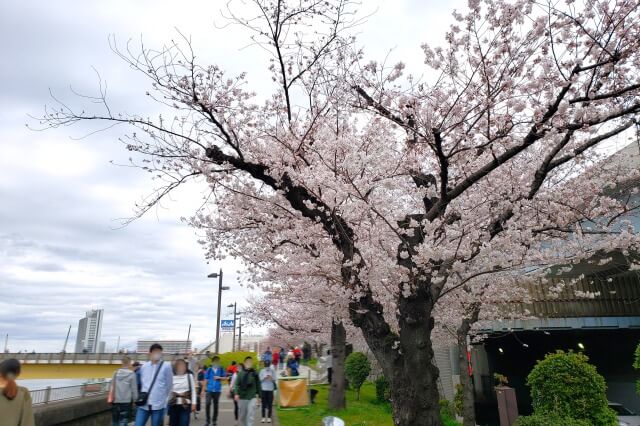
[(178, 390), (147, 393), (287, 361)]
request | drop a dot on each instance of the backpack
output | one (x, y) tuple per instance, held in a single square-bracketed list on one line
[(244, 381)]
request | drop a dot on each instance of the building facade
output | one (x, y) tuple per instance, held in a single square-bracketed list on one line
[(89, 331), (168, 346)]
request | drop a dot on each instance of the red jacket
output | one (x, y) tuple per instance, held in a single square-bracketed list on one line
[(275, 358)]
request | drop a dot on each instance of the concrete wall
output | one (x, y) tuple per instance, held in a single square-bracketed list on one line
[(92, 411)]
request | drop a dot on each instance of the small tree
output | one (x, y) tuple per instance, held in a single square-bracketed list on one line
[(357, 369), (564, 383)]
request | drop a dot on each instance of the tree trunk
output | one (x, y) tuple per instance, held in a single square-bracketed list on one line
[(468, 396), (337, 398), (407, 360)]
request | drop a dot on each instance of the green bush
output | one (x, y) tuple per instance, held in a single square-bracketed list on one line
[(357, 368), (446, 410), (226, 358), (546, 419), (383, 389), (564, 383), (458, 404)]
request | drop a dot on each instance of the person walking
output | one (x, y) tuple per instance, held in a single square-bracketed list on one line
[(136, 369), (275, 359), (328, 363), (266, 356), (157, 384), (306, 353), (15, 401), (200, 388), (213, 385), (267, 386), (246, 390), (122, 393), (282, 357), (232, 382), (292, 365), (183, 396), (232, 369)]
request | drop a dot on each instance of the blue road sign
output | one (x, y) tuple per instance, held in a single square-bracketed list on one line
[(226, 325)]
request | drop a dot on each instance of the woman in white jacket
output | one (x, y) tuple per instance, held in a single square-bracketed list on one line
[(183, 396)]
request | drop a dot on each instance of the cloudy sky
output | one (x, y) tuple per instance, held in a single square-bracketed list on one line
[(62, 249)]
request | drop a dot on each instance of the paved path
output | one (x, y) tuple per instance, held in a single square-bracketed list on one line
[(226, 415)]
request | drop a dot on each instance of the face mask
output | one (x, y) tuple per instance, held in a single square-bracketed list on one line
[(156, 356), (215, 365)]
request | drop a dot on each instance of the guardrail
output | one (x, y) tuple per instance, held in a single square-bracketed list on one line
[(81, 358), (45, 396)]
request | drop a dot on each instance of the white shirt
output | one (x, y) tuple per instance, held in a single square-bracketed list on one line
[(181, 385)]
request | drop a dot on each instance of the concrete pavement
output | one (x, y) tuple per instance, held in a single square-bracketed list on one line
[(226, 417)]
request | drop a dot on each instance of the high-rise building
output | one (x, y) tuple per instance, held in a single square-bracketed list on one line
[(168, 346), (89, 330)]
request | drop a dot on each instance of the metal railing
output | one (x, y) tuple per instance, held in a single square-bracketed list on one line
[(45, 396), (81, 358)]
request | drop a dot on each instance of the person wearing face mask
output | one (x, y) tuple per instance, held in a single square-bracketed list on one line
[(183, 397), (15, 401), (157, 384), (213, 386), (246, 392)]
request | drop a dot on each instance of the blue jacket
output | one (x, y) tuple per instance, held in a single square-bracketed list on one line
[(214, 385)]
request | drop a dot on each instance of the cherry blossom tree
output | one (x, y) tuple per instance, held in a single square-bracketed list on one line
[(397, 190)]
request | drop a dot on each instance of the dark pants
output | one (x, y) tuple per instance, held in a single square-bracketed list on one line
[(267, 403), (179, 415), (329, 374), (120, 414), (235, 409), (215, 398)]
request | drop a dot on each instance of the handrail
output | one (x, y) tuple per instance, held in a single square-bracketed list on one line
[(49, 394)]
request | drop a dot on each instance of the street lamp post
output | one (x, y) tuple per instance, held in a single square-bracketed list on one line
[(239, 334), (220, 288), (234, 306)]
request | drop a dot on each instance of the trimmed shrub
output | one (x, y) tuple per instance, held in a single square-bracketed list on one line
[(357, 368), (383, 389), (565, 384), (226, 358), (547, 419)]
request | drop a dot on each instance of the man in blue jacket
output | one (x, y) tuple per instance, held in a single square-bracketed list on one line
[(213, 385)]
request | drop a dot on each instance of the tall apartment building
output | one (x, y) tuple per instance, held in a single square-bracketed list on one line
[(89, 330)]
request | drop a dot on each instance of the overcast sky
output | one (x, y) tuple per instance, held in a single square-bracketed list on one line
[(62, 250)]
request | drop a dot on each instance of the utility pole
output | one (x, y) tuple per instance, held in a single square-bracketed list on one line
[(220, 288), (186, 344), (239, 334), (64, 348), (6, 342)]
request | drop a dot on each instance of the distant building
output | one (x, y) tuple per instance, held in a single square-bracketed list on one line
[(168, 346), (101, 347), (89, 330)]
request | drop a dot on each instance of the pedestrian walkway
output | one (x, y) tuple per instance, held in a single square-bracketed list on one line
[(226, 415)]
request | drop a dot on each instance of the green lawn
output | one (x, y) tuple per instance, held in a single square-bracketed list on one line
[(366, 412)]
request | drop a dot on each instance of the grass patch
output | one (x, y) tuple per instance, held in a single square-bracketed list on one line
[(366, 412)]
